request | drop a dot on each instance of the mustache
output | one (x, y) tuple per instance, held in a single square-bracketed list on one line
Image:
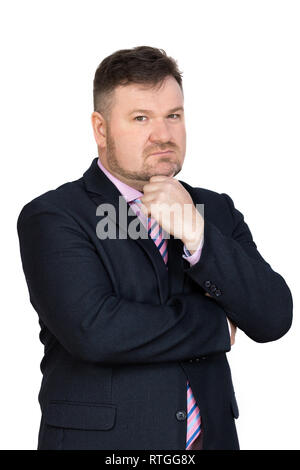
[(162, 148)]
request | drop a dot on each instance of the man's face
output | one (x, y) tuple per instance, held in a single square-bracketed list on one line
[(143, 122)]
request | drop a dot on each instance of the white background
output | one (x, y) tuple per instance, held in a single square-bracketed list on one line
[(240, 63)]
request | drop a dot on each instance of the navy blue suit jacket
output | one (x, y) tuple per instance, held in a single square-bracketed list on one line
[(121, 338)]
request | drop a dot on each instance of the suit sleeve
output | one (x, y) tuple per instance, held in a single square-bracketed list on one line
[(71, 290), (233, 272)]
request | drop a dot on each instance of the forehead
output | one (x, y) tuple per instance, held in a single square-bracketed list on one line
[(167, 95)]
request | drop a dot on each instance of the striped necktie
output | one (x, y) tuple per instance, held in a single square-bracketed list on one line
[(193, 412)]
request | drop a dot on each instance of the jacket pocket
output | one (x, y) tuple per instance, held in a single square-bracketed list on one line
[(234, 406), (74, 415)]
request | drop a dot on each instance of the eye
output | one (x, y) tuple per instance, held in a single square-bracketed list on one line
[(138, 118), (177, 115)]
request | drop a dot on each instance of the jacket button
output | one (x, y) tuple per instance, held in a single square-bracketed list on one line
[(197, 359), (203, 357), (191, 360), (218, 292), (181, 415), (213, 288), (207, 283)]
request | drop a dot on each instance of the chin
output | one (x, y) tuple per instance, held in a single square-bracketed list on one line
[(166, 168)]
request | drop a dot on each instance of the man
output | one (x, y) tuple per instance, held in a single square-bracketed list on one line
[(136, 328)]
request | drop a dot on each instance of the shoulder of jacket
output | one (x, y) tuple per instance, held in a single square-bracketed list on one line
[(205, 194), (57, 199)]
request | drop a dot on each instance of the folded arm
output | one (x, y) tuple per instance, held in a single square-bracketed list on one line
[(71, 291), (235, 275)]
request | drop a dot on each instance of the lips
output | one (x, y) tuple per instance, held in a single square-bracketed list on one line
[(161, 153)]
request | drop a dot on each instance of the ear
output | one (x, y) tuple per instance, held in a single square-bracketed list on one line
[(99, 128)]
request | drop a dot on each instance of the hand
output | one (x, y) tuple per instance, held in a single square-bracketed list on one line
[(232, 332), (167, 201), (232, 326)]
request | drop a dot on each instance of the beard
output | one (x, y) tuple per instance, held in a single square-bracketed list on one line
[(147, 171)]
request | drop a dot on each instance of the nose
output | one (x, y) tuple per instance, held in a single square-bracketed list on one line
[(160, 131)]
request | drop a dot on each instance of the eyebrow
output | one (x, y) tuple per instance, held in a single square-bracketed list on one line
[(148, 111)]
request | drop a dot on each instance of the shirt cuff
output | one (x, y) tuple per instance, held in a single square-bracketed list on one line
[(194, 258)]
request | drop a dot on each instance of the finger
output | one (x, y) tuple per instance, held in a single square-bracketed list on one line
[(159, 178), (208, 295), (233, 326), (149, 188), (232, 336), (147, 200)]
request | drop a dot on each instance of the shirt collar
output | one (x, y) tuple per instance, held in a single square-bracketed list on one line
[(128, 192)]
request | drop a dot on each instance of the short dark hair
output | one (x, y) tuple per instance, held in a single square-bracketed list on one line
[(142, 64)]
